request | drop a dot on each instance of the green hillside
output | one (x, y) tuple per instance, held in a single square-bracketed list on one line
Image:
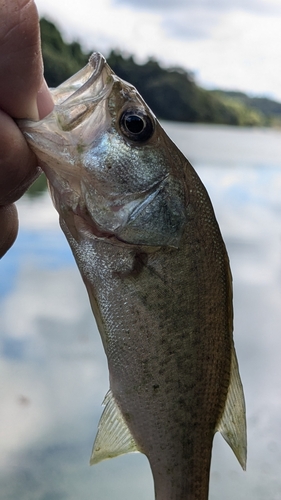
[(268, 110), (172, 93)]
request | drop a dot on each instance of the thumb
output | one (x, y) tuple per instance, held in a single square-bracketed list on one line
[(21, 69)]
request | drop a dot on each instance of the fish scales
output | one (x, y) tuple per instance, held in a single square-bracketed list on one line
[(145, 321), (151, 255)]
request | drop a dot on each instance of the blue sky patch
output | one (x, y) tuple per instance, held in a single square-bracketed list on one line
[(48, 248)]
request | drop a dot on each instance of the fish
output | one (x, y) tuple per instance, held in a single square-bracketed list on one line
[(145, 237)]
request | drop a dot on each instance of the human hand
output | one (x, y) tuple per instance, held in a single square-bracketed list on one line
[(23, 94)]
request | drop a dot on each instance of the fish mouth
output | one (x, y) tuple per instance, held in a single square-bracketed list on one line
[(81, 83), (75, 100)]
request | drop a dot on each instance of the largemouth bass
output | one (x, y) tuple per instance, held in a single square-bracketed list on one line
[(144, 235)]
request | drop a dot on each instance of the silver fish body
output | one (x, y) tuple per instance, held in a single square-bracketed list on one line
[(148, 246)]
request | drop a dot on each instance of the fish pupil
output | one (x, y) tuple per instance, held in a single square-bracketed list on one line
[(136, 125)]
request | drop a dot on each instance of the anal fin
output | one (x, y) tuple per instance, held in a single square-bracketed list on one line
[(232, 425), (113, 436)]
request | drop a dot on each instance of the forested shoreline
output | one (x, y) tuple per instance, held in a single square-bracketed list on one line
[(172, 93)]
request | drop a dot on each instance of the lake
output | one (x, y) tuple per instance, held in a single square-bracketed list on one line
[(53, 370)]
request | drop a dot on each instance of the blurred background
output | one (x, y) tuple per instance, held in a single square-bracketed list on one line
[(210, 71)]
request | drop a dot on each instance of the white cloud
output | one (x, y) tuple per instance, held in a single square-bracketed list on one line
[(214, 5), (244, 53)]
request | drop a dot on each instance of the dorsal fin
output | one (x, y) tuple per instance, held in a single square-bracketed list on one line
[(232, 425), (113, 436)]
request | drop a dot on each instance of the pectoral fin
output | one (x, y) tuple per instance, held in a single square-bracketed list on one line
[(113, 436), (232, 425)]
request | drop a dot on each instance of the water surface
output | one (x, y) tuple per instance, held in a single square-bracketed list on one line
[(53, 370)]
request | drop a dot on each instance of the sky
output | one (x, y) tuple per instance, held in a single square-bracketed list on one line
[(232, 45)]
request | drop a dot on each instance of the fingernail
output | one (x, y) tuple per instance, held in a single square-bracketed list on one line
[(45, 102)]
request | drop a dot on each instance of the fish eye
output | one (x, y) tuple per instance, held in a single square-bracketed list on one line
[(136, 125)]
